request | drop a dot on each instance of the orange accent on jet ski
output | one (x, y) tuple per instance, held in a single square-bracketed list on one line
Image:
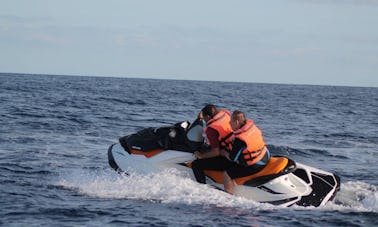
[(148, 154), (274, 166), (217, 176), (189, 164)]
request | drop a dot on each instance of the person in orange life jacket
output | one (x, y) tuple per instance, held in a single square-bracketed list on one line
[(217, 129), (248, 152)]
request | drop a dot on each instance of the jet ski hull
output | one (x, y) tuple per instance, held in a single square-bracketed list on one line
[(297, 184)]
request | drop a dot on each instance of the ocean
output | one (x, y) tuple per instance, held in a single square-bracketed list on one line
[(55, 132)]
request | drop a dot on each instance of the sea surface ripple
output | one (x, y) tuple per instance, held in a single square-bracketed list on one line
[(55, 131)]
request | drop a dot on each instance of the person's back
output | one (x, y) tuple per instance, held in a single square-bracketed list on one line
[(248, 150), (217, 127), (248, 145)]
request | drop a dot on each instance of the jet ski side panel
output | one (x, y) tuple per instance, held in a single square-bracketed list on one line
[(123, 161)]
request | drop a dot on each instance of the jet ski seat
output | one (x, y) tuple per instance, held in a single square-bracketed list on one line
[(276, 166)]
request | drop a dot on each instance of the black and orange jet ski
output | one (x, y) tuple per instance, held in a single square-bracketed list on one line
[(282, 182)]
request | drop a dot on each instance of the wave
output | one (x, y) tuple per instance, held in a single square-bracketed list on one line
[(309, 153), (173, 186), (168, 186), (359, 196)]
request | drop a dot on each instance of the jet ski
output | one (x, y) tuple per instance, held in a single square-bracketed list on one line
[(282, 182)]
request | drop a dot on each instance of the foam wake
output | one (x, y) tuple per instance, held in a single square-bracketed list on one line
[(168, 186), (359, 196), (173, 186)]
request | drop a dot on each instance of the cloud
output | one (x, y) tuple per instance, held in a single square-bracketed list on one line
[(20, 31), (25, 22), (296, 52), (120, 40), (342, 2), (49, 38)]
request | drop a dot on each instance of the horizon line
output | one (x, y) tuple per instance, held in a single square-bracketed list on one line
[(181, 79)]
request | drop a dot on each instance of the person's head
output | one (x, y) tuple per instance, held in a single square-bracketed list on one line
[(209, 111), (237, 120)]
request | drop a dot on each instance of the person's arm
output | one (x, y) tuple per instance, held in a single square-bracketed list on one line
[(225, 153), (212, 136), (200, 115), (214, 152), (237, 148)]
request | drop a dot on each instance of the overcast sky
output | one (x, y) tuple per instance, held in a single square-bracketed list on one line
[(332, 42)]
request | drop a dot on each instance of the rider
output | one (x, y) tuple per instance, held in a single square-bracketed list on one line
[(217, 130), (249, 153)]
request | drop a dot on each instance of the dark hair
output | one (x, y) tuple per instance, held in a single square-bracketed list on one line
[(209, 110), (240, 116)]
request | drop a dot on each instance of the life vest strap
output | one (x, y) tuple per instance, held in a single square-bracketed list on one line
[(226, 141), (259, 155)]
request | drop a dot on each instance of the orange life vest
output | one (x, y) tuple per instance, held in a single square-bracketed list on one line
[(251, 135), (221, 123)]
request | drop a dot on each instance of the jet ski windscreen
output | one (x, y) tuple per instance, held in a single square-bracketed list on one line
[(195, 131)]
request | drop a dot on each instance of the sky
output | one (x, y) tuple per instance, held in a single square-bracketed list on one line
[(320, 42)]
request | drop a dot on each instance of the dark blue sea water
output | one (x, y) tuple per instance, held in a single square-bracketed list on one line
[(55, 131)]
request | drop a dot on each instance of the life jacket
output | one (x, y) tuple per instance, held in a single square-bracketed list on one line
[(255, 149), (221, 123)]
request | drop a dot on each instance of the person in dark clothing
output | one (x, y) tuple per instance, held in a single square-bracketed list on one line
[(218, 129)]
